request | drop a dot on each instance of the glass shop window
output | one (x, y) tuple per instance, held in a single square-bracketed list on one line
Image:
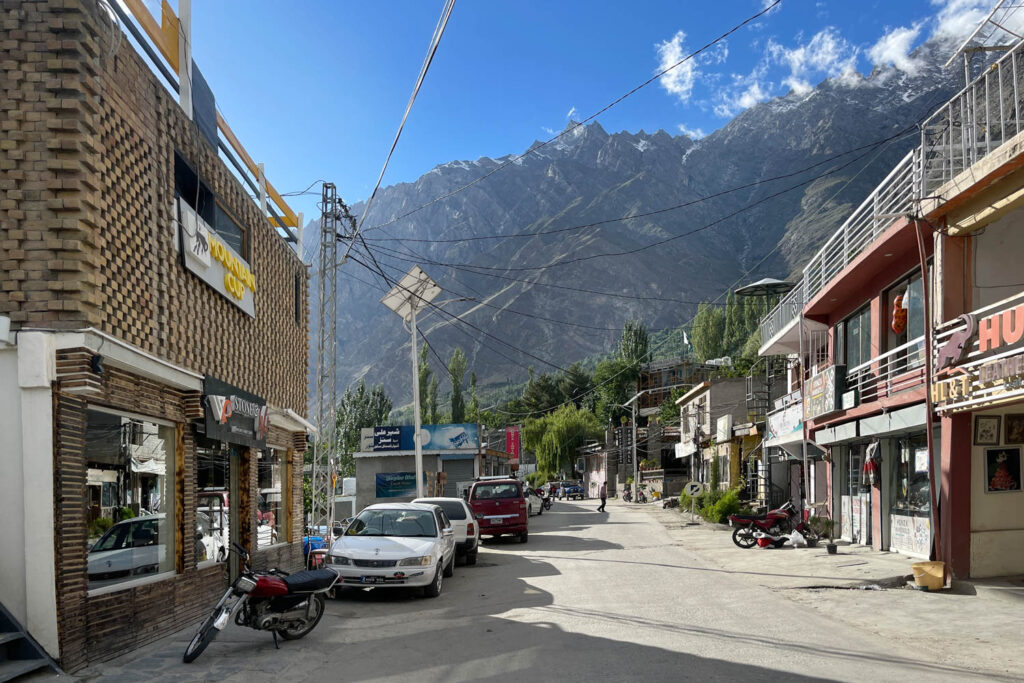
[(271, 507), (855, 333), (213, 521), (905, 323), (130, 493), (911, 493)]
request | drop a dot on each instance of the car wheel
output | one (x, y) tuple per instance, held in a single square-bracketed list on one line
[(540, 510), (449, 569), (471, 558), (529, 510), (434, 589), (523, 536)]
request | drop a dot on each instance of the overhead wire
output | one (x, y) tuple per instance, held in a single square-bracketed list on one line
[(516, 158)]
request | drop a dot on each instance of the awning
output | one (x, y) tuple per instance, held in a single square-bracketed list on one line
[(794, 451), (784, 439)]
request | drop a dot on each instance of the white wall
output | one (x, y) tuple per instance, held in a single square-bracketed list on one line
[(27, 534), (996, 264), (997, 519)]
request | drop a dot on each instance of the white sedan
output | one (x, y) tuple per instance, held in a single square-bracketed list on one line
[(396, 544), (534, 501)]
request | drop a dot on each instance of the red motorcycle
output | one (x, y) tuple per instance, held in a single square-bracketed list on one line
[(289, 606), (774, 523)]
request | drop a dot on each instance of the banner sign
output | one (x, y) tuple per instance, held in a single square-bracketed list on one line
[(823, 391), (512, 441), (785, 422), (233, 415), (447, 437), (397, 484)]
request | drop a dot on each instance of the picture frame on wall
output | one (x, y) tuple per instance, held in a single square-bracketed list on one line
[(1014, 428), (986, 430), (1002, 469)]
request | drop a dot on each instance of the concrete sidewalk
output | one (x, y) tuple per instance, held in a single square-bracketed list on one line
[(979, 621)]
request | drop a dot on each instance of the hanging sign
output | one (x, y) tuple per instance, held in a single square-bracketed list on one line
[(822, 392), (214, 261), (233, 415)]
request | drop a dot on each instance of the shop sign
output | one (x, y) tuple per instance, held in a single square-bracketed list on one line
[(214, 261), (911, 535), (512, 441), (446, 437), (233, 415), (785, 422), (397, 484), (822, 392)]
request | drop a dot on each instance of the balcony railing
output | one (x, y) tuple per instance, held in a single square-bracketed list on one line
[(982, 117), (893, 196), (890, 373)]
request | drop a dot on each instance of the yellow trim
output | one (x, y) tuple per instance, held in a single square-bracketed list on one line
[(161, 37)]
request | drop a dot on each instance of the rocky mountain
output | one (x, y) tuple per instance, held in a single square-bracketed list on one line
[(548, 291)]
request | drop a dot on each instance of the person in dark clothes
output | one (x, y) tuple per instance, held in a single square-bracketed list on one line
[(603, 493)]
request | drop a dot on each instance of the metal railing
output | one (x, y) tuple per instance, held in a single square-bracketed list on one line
[(890, 373), (978, 120), (893, 197)]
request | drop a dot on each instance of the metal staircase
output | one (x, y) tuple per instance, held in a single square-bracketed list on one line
[(19, 653)]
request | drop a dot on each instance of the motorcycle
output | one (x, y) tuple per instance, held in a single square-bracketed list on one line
[(289, 606), (774, 523), (545, 500), (627, 496)]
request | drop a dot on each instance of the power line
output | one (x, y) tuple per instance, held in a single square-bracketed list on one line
[(514, 159)]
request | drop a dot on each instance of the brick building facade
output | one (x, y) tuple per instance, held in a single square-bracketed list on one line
[(111, 330)]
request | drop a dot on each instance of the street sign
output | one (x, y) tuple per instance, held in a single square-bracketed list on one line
[(693, 489)]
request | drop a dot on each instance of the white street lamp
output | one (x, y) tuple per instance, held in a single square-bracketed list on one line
[(412, 293)]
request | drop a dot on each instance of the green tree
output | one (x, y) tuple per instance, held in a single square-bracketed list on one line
[(615, 382), (735, 333), (707, 332), (424, 383), (576, 385), (434, 413), (541, 394), (556, 436), (668, 412), (457, 373), (473, 412), (358, 408), (633, 346)]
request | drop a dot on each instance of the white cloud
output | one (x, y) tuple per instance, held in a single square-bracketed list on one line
[(747, 93), (571, 114), (957, 18), (894, 48), (826, 54), (692, 133), (679, 81)]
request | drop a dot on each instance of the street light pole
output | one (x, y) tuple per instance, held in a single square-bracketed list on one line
[(416, 407), (636, 469)]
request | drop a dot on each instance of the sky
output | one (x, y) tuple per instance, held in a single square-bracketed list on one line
[(316, 89)]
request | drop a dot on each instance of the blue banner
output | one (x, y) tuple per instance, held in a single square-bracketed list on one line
[(448, 437), (397, 484)]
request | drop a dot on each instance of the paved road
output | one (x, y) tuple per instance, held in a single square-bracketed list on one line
[(592, 597)]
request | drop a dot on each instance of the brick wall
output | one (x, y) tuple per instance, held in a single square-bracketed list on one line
[(86, 190)]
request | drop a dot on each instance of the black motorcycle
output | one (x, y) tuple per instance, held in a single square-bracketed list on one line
[(288, 605)]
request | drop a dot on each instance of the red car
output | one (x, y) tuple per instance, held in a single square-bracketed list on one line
[(499, 507)]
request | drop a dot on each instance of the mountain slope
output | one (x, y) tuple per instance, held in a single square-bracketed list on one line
[(588, 176)]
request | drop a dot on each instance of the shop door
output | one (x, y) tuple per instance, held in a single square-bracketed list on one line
[(852, 502), (457, 471)]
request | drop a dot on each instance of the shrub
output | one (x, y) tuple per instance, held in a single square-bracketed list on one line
[(714, 505), (99, 526), (124, 513)]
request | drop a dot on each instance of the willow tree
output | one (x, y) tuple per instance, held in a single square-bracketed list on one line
[(555, 437)]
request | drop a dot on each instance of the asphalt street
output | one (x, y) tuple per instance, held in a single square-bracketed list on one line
[(591, 597)]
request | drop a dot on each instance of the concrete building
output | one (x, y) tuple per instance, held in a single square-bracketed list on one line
[(153, 336), (712, 426), (910, 318)]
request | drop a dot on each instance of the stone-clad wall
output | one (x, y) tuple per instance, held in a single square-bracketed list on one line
[(87, 151)]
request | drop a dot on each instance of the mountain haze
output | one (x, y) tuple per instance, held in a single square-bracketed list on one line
[(589, 175)]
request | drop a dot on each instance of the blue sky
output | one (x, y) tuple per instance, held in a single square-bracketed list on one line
[(317, 89)]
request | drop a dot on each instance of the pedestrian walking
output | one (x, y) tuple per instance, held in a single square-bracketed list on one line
[(603, 493)]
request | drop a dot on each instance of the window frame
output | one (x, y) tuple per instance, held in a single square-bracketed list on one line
[(207, 203)]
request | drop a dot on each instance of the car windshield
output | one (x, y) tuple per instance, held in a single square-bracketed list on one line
[(452, 508), (488, 491), (393, 523), (115, 539)]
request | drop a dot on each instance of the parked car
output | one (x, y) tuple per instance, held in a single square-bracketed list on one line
[(129, 548), (467, 531), (213, 531), (396, 544), (572, 490), (500, 508), (534, 501)]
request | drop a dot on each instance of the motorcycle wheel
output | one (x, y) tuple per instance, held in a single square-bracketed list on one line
[(317, 609), (744, 537), (203, 637)]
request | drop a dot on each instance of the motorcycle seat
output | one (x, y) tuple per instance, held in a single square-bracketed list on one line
[(750, 518), (309, 581)]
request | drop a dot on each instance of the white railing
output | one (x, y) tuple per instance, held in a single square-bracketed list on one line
[(893, 197), (890, 373), (978, 120)]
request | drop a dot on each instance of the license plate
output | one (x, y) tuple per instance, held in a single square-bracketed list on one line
[(497, 520), (372, 579)]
